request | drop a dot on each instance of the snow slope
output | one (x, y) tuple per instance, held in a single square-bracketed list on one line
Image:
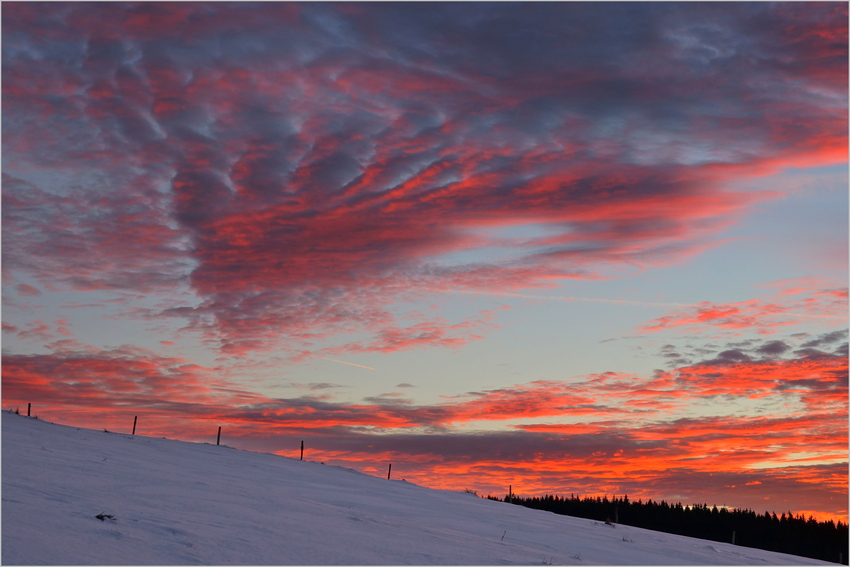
[(191, 503)]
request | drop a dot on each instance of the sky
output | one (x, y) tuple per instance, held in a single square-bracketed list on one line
[(590, 248)]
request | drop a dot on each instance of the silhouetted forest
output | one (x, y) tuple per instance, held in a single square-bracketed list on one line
[(786, 533)]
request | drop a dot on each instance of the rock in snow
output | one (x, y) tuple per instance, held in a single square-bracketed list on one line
[(177, 503)]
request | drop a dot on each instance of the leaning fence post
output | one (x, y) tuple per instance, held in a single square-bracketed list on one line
[(389, 470), (29, 405), (302, 450), (135, 417), (219, 435)]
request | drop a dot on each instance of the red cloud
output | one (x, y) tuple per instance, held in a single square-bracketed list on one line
[(40, 331), (27, 290), (435, 332), (621, 434), (299, 191), (297, 183), (743, 315), (88, 241), (789, 306), (820, 382)]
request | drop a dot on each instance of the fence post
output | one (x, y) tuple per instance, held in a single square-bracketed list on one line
[(219, 435), (302, 450), (29, 405), (135, 417), (389, 470), (616, 516), (733, 537)]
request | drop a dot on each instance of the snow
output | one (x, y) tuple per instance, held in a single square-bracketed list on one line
[(190, 503)]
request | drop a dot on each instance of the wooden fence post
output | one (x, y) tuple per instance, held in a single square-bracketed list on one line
[(302, 450), (510, 493), (389, 470), (733, 537), (29, 405), (135, 417), (219, 435)]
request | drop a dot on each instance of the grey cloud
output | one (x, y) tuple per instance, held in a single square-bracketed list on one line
[(27, 290), (810, 353), (316, 385), (773, 348), (733, 355), (389, 399), (536, 91), (826, 338), (519, 446)]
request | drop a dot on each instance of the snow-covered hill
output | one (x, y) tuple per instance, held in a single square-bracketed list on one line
[(188, 503)]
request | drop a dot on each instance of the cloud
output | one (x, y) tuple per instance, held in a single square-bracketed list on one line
[(342, 362), (304, 167), (87, 240), (827, 339), (315, 385), (609, 432), (753, 313), (27, 290), (764, 316), (727, 356), (39, 331), (817, 379), (283, 174), (773, 348), (565, 299), (434, 332)]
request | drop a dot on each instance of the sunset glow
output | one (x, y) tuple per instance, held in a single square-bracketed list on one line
[(582, 248)]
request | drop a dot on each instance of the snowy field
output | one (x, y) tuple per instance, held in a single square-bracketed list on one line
[(183, 503)]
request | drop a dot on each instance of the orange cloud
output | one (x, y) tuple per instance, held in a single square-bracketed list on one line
[(609, 432), (277, 188), (789, 306)]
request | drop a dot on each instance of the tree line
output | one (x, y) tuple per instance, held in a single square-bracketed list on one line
[(787, 533)]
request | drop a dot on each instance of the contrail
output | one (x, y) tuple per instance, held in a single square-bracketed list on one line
[(349, 363), (562, 298)]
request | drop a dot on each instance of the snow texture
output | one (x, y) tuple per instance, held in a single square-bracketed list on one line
[(181, 503)]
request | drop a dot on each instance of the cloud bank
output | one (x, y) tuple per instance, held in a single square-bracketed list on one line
[(304, 166)]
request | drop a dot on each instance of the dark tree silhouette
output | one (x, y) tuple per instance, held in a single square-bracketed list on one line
[(787, 533)]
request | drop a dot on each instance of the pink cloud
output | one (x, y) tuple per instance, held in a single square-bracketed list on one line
[(789, 306), (27, 290), (275, 188), (613, 443)]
